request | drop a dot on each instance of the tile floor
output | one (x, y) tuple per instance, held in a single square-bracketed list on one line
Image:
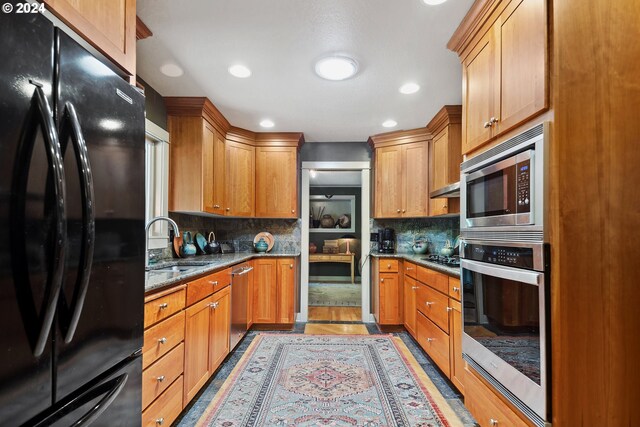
[(197, 406)]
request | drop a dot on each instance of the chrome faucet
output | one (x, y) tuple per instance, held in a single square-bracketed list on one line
[(171, 222)]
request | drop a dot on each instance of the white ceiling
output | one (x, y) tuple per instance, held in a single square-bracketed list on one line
[(394, 42)]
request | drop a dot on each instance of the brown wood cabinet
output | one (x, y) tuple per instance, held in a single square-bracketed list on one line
[(409, 298), (219, 327), (240, 179), (387, 290), (277, 182), (275, 290), (196, 360), (197, 156), (446, 156), (401, 174), (505, 68), (108, 25)]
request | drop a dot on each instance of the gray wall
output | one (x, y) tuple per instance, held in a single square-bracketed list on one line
[(154, 105), (335, 152)]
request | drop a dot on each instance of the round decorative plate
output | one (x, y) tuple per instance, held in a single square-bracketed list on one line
[(200, 242), (268, 237)]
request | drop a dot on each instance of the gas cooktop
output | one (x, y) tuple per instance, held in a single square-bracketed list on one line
[(449, 261)]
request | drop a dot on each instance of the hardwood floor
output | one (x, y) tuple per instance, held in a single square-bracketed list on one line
[(335, 329), (333, 314)]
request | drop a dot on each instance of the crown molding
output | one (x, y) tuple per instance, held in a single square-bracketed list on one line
[(448, 115), (399, 137), (197, 106), (142, 31), (471, 24)]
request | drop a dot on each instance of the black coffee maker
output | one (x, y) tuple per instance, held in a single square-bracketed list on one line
[(386, 241)]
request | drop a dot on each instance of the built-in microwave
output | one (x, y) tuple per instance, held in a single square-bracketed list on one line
[(503, 188)]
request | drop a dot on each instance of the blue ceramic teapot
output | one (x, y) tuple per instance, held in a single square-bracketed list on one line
[(188, 248), (261, 245)]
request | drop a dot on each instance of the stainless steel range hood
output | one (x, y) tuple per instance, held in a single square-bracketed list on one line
[(450, 191)]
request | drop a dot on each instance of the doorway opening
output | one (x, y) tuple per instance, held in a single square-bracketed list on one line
[(335, 242)]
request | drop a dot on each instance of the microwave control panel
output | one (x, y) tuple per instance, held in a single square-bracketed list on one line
[(502, 255), (523, 185)]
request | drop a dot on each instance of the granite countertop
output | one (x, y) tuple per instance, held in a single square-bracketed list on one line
[(417, 259), (199, 265)]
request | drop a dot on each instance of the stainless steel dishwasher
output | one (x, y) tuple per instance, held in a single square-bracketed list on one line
[(239, 295)]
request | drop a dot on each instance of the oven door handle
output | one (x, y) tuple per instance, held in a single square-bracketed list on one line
[(507, 273)]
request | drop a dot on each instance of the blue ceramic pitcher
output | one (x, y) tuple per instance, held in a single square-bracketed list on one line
[(188, 248)]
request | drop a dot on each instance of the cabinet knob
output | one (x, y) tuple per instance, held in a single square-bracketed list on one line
[(291, 266), (404, 210), (398, 211), (228, 209), (160, 378), (409, 268), (493, 422), (162, 340), (493, 121), (388, 265), (213, 282), (449, 308), (163, 306), (414, 287), (444, 206), (293, 211), (456, 289), (381, 280), (216, 206), (430, 339), (428, 303), (487, 125), (160, 421), (214, 305)]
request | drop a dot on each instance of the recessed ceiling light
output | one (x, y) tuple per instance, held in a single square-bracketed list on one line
[(266, 123), (239, 71), (171, 70), (336, 67), (433, 2), (390, 124), (409, 88)]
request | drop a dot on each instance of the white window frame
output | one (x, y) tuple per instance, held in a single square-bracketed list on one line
[(156, 183)]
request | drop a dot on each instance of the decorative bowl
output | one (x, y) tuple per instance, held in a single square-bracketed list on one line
[(446, 251), (420, 247)]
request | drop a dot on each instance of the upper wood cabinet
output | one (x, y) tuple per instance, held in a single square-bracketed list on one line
[(503, 48), (446, 156), (197, 159), (401, 174), (240, 179), (277, 182), (108, 25)]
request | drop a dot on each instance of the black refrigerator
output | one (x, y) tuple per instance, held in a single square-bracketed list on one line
[(71, 232)]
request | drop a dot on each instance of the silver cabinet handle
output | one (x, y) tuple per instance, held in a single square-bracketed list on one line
[(487, 125), (493, 422), (160, 378), (163, 306), (162, 340), (430, 339), (160, 421), (216, 206), (456, 289), (493, 121), (213, 282), (449, 308), (214, 305), (414, 287), (428, 303), (409, 268)]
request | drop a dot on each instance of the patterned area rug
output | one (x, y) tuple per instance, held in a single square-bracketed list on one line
[(302, 380), (334, 294)]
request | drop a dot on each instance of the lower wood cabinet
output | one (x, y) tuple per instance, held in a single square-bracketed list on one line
[(487, 408), (387, 290), (219, 328), (274, 289), (435, 342), (410, 288)]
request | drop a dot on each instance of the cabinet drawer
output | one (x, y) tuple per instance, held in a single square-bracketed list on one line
[(434, 342), (163, 307), (410, 270), (485, 406), (201, 288), (161, 338), (166, 408), (434, 305), (388, 265), (434, 279), (454, 288), (157, 377)]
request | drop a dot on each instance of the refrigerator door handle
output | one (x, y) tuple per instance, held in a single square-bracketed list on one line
[(54, 157), (71, 127), (110, 389)]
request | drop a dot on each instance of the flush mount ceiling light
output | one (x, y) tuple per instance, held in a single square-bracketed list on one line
[(390, 123), (409, 88), (239, 71), (171, 70), (336, 67), (433, 2), (266, 123)]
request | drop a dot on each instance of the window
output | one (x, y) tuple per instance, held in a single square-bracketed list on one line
[(157, 182)]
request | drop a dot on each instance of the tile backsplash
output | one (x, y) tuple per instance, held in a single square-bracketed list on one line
[(434, 230), (241, 231)]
